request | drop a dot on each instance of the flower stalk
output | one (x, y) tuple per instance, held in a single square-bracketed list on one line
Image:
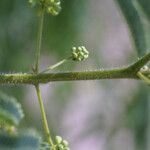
[(46, 128)]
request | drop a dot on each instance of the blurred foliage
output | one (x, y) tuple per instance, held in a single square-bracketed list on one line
[(10, 111), (18, 31), (138, 111), (137, 117), (135, 24), (25, 140), (11, 114), (144, 4)]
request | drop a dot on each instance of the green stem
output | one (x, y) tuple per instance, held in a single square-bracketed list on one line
[(36, 71), (56, 65), (47, 131), (39, 42), (33, 79), (140, 63), (144, 78), (129, 72)]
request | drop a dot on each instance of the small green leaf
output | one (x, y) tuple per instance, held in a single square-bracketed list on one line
[(10, 111), (145, 4), (135, 24), (27, 140)]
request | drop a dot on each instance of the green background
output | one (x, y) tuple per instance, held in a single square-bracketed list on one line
[(98, 115)]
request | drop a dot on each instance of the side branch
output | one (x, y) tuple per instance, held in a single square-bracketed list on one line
[(139, 64)]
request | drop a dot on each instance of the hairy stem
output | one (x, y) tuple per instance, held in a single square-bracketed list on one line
[(119, 73), (39, 42), (67, 76), (140, 63), (44, 117)]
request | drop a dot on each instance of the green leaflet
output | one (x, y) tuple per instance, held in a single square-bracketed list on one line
[(10, 111), (27, 140), (145, 4), (134, 22)]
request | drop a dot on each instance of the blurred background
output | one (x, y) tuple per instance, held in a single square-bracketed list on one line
[(97, 115)]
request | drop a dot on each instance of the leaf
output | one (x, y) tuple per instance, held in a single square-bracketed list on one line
[(135, 24), (10, 111), (145, 4), (27, 140)]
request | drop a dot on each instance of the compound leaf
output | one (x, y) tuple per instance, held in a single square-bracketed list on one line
[(10, 111), (26, 140)]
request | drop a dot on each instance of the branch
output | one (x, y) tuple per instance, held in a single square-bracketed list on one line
[(140, 63), (34, 79)]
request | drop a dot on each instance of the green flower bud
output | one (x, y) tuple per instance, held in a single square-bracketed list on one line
[(65, 143), (144, 69), (52, 7), (66, 148), (60, 147), (61, 144), (79, 53), (58, 139)]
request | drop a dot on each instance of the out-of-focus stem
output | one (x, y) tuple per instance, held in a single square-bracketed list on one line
[(39, 42)]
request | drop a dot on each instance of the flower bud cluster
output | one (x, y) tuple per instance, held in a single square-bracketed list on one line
[(79, 53), (61, 144), (52, 7)]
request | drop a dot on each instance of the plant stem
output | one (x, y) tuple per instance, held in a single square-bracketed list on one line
[(39, 42), (56, 65), (66, 76), (44, 117), (129, 72), (144, 78), (140, 63), (36, 71)]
